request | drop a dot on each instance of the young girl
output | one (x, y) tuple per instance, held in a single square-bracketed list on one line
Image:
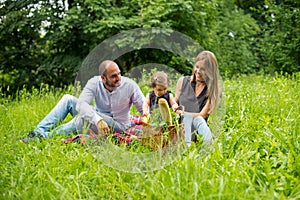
[(159, 82)]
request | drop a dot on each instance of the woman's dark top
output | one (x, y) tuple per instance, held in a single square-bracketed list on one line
[(154, 99), (188, 99)]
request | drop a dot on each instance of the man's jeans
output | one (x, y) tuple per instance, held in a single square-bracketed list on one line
[(66, 105), (197, 123)]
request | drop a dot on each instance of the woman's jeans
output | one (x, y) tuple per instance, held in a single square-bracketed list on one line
[(197, 123), (52, 122)]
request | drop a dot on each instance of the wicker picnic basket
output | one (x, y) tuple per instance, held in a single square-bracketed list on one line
[(161, 137)]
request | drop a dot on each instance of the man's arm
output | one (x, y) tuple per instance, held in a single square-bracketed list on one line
[(83, 106)]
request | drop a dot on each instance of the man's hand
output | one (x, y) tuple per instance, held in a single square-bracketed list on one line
[(102, 127), (146, 119)]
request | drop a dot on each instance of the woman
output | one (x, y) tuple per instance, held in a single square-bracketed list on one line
[(199, 94)]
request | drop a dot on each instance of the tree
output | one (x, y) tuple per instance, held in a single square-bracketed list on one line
[(278, 45), (234, 41), (20, 52), (60, 34), (280, 42)]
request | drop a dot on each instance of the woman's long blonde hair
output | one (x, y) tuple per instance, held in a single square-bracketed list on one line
[(212, 81)]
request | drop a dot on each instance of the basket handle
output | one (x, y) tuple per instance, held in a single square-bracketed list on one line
[(180, 107)]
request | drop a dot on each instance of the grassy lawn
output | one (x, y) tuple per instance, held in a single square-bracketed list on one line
[(255, 156)]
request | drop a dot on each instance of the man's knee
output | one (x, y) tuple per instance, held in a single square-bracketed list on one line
[(68, 97)]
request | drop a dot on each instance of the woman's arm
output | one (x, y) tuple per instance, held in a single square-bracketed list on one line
[(178, 89), (177, 93), (204, 112)]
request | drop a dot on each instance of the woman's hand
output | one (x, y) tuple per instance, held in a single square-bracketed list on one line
[(179, 112)]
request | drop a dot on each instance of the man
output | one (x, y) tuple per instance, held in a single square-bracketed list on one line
[(113, 95)]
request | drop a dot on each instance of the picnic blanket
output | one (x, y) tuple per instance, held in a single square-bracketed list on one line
[(153, 138), (127, 136)]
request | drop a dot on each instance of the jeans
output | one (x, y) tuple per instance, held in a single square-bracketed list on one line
[(67, 104), (48, 125), (197, 123)]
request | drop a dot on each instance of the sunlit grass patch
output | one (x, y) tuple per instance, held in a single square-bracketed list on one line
[(255, 156)]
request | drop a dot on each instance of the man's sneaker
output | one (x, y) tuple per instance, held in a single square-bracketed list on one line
[(31, 136)]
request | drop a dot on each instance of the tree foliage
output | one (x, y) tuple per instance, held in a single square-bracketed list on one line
[(234, 41), (21, 43), (47, 41), (279, 43)]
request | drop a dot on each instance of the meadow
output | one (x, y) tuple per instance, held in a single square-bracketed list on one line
[(256, 153)]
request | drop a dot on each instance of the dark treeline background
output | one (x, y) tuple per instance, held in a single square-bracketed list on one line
[(47, 41)]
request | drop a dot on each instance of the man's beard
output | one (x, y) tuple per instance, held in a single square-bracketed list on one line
[(113, 85)]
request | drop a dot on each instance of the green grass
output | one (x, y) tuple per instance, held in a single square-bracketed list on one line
[(255, 156)]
